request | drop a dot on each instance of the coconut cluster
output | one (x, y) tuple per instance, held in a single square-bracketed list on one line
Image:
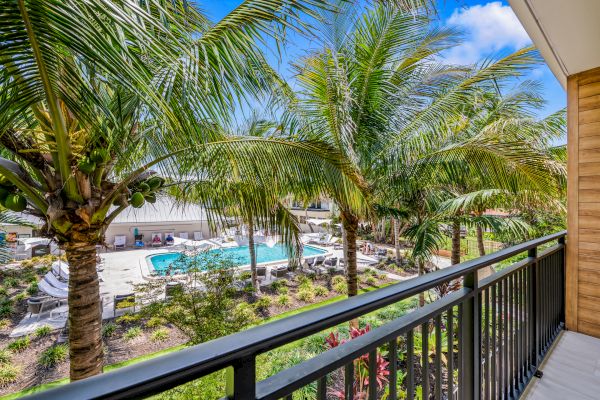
[(11, 197), (145, 191)]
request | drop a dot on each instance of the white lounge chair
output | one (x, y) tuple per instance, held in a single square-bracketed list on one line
[(51, 291), (183, 235), (169, 238), (61, 270), (53, 281), (198, 236), (156, 239), (120, 242)]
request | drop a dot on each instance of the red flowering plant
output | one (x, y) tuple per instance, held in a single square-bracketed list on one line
[(361, 366)]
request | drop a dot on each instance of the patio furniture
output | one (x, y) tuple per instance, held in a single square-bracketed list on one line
[(169, 238), (156, 239), (139, 241), (52, 291), (331, 262), (183, 235), (319, 260), (60, 269), (280, 271), (198, 236), (120, 242), (36, 305), (261, 272), (171, 288), (53, 281)]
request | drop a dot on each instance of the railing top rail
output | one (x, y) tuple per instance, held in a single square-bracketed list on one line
[(171, 370)]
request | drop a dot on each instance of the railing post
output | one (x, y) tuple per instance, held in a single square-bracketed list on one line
[(563, 278), (471, 342), (241, 380), (534, 312)]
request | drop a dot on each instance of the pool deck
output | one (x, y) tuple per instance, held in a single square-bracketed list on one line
[(125, 268)]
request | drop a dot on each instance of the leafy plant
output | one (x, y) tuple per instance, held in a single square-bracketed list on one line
[(160, 335), (263, 303), (19, 345), (20, 297), (320, 290), (128, 318), (3, 291), (54, 355), (341, 288), (5, 356), (4, 323), (306, 294), (43, 331), (338, 279), (132, 333), (284, 300), (32, 289), (108, 329), (11, 282), (283, 290), (9, 373), (155, 322)]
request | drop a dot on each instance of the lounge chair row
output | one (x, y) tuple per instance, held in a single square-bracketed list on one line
[(156, 239)]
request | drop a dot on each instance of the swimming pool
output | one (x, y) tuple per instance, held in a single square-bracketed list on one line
[(239, 255)]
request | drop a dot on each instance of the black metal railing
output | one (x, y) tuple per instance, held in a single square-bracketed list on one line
[(483, 340)]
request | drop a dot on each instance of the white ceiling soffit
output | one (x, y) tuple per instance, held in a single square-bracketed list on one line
[(565, 31)]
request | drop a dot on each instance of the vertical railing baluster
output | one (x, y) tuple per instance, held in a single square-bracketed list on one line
[(534, 314), (425, 355), (501, 338), (460, 351), (563, 262), (438, 357), (410, 365), (349, 381), (510, 315), (450, 338), (373, 374), (241, 379), (486, 344), (494, 348), (470, 328), (322, 388), (393, 356)]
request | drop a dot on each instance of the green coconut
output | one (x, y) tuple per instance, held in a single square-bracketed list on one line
[(87, 166), (137, 200), (15, 202), (99, 156), (144, 187), (150, 198), (155, 182)]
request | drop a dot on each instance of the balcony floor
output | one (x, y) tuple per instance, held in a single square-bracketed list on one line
[(571, 370)]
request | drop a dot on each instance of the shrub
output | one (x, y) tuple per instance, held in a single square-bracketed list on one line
[(132, 333), (108, 329), (303, 280), (54, 355), (8, 374), (32, 289), (263, 303), (43, 331), (11, 282), (128, 318), (280, 286), (320, 290), (244, 276), (4, 356), (370, 272), (155, 322), (340, 287), (284, 300), (370, 280), (3, 291), (6, 308), (21, 296), (160, 335), (4, 323), (244, 313), (19, 344), (306, 294), (338, 279)]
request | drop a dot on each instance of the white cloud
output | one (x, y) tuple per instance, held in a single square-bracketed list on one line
[(487, 29)]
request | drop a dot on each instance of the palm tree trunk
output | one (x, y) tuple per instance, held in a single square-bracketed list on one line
[(85, 310), (350, 224), (455, 255), (480, 245), (252, 251), (396, 238)]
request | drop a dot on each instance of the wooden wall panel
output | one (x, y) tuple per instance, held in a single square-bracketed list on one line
[(583, 249)]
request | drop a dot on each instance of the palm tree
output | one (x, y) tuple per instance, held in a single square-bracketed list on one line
[(97, 94)]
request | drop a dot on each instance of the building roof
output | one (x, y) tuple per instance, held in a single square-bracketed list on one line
[(164, 210), (565, 32)]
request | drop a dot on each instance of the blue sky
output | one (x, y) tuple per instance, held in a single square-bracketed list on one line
[(490, 28)]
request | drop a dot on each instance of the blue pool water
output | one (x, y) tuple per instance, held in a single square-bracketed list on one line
[(239, 255)]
